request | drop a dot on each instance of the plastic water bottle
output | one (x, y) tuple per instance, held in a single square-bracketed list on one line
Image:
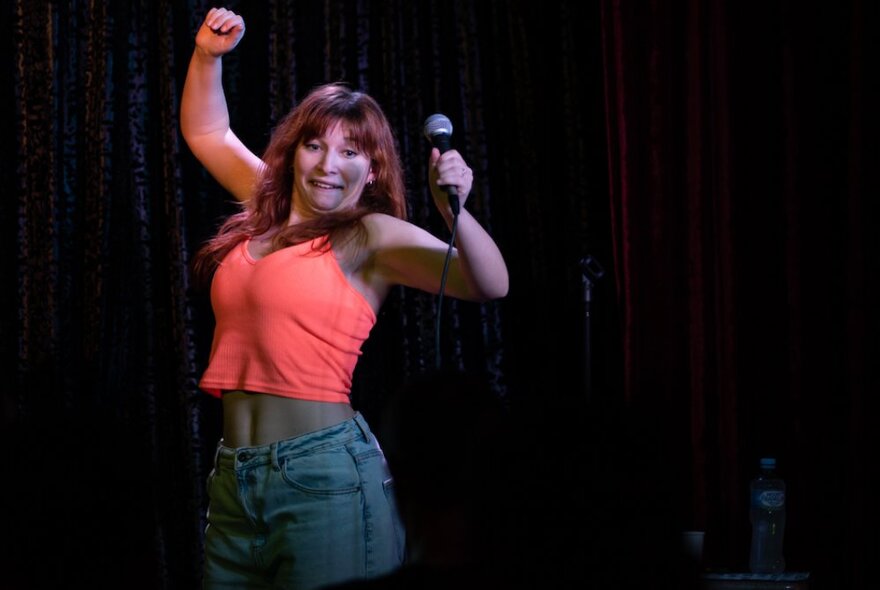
[(768, 520)]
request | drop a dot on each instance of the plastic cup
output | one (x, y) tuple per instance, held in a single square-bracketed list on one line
[(692, 544)]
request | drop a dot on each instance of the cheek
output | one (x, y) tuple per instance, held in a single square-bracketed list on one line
[(358, 174), (297, 167)]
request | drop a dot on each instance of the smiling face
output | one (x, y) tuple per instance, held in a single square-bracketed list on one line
[(330, 173)]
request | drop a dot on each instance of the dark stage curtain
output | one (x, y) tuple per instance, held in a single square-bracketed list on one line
[(103, 336), (716, 158)]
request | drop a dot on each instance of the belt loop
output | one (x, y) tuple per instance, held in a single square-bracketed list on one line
[(273, 453), (362, 425), (217, 454)]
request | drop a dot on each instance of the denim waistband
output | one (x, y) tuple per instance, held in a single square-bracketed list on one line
[(329, 437)]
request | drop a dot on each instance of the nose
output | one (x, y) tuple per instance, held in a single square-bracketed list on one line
[(329, 161)]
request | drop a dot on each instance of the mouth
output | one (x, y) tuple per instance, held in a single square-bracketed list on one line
[(325, 185)]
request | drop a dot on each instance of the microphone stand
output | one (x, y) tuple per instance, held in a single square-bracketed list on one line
[(592, 271)]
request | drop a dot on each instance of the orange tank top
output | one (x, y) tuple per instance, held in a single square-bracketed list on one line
[(288, 324)]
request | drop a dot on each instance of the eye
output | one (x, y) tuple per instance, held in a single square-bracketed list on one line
[(311, 146), (350, 153)]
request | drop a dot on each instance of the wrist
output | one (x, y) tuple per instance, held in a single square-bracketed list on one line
[(202, 54)]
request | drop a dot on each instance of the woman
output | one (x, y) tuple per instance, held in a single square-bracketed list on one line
[(300, 494)]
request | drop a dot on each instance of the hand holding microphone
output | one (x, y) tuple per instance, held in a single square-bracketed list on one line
[(448, 170)]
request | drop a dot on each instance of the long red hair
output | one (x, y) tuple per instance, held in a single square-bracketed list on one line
[(324, 107)]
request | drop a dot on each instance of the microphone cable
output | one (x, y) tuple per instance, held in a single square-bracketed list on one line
[(438, 130), (443, 288)]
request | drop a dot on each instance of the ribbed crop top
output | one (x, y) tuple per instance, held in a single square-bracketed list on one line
[(288, 324)]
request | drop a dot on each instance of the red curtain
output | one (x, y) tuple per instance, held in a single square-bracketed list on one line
[(740, 145)]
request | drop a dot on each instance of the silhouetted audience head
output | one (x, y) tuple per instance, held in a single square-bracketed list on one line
[(446, 438)]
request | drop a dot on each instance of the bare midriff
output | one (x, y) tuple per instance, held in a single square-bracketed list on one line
[(253, 419)]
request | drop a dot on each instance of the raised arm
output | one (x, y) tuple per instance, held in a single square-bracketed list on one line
[(408, 255), (204, 118), (480, 262)]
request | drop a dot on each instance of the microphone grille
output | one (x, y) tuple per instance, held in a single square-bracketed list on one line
[(437, 124)]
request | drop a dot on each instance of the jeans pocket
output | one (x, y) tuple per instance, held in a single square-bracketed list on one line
[(329, 472)]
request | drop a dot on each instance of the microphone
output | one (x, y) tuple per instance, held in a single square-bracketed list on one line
[(438, 130)]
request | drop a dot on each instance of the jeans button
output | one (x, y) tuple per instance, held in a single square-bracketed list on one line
[(243, 457)]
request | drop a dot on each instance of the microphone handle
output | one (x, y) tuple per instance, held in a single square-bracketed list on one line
[(442, 143)]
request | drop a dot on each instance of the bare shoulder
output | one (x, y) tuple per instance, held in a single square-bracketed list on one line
[(386, 231), (377, 233), (376, 222)]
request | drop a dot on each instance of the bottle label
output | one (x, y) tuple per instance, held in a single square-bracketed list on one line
[(769, 499)]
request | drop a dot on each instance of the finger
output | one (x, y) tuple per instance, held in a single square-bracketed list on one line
[(453, 168), (465, 178), (226, 24), (217, 17), (435, 156), (460, 179), (213, 15)]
